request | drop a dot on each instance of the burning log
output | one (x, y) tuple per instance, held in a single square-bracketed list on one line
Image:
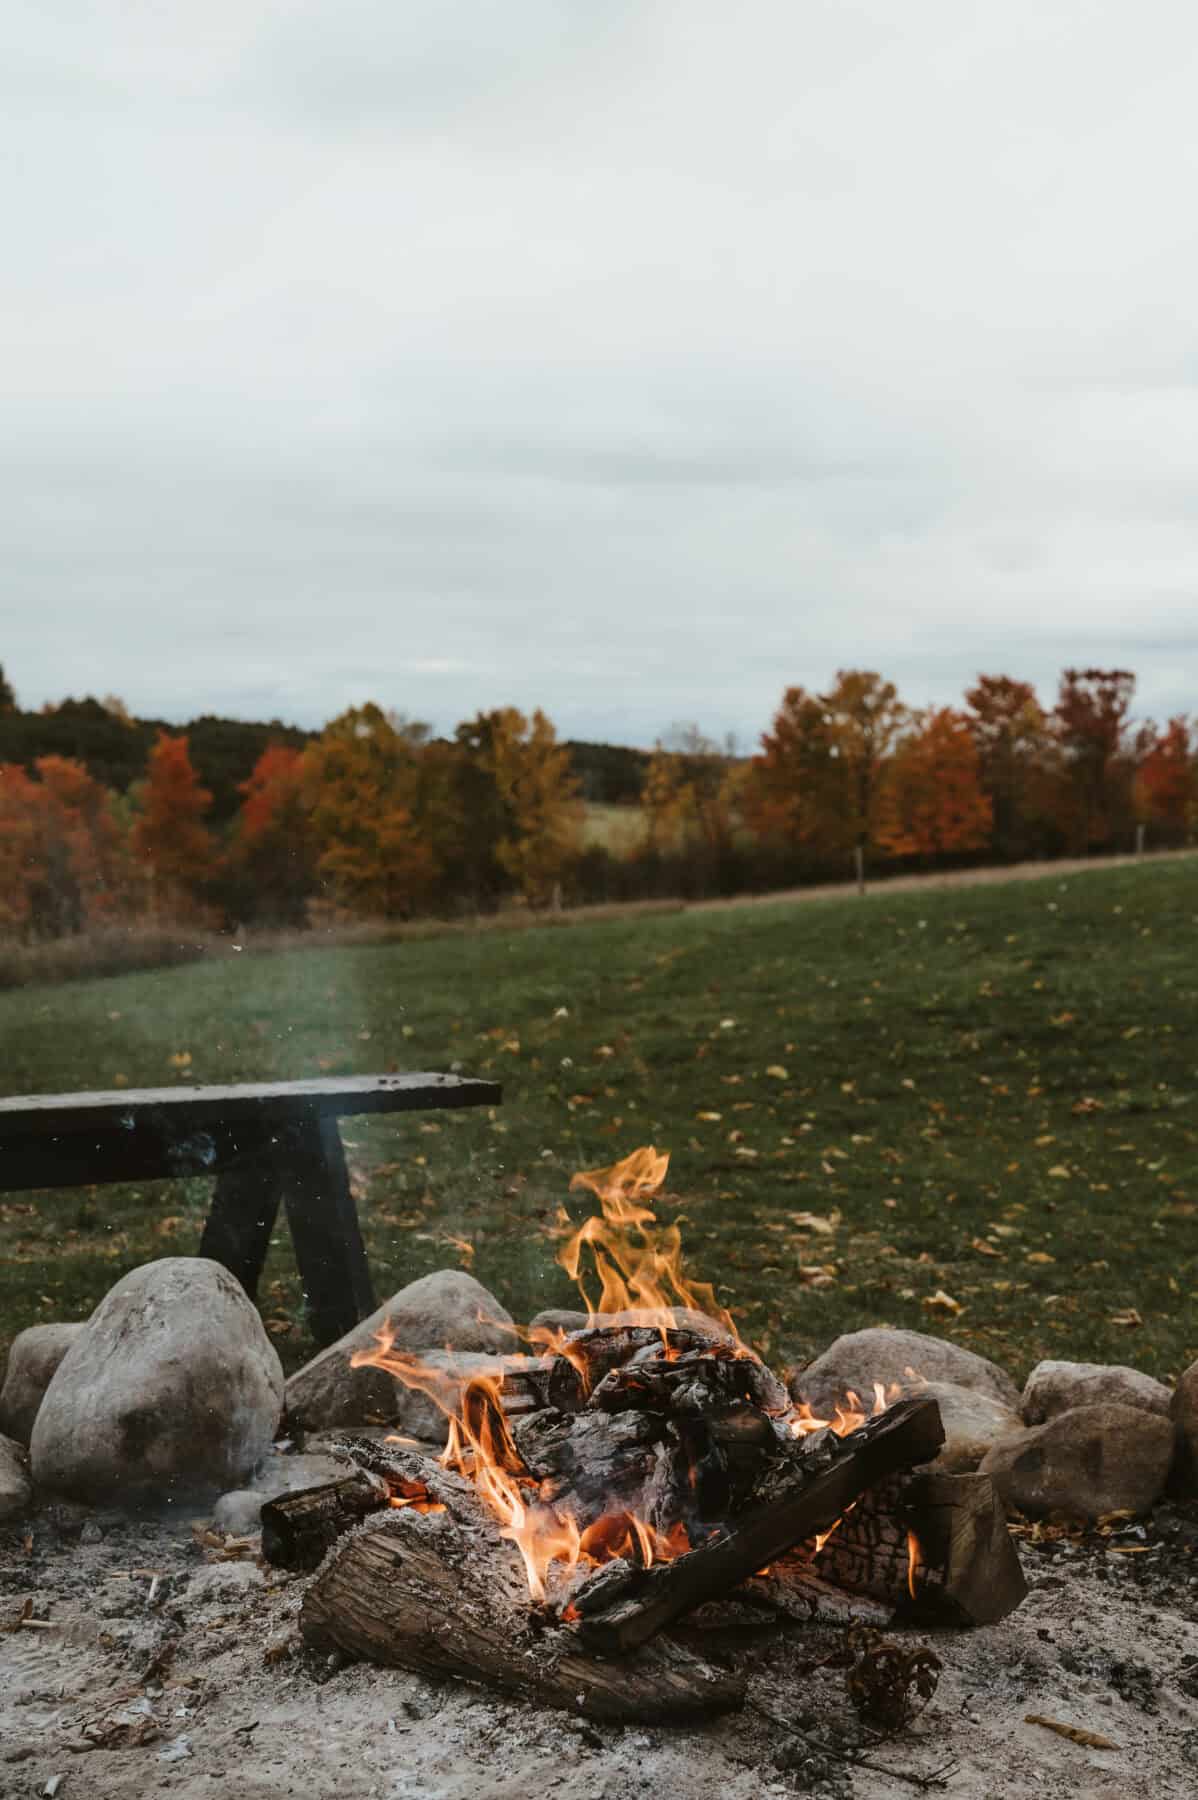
[(532, 1383), (424, 1593), (935, 1546), (694, 1382), (808, 1498)]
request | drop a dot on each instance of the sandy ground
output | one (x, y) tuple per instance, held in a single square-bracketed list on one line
[(1107, 1640)]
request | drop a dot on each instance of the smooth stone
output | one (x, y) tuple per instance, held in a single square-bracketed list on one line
[(1084, 1463), (172, 1387), (238, 1511), (973, 1424), (1183, 1410), (446, 1310), (33, 1359), (16, 1488), (1057, 1387), (906, 1360)]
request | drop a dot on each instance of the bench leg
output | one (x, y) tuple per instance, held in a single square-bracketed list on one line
[(245, 1205), (324, 1228)]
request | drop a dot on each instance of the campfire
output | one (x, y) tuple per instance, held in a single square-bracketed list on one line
[(625, 1484)]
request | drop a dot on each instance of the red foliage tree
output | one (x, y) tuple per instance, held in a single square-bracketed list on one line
[(795, 790), (1167, 779), (272, 859), (63, 861), (933, 801), (169, 835)]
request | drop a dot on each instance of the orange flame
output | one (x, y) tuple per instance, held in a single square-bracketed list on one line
[(850, 1415), (638, 1262), (914, 1562)]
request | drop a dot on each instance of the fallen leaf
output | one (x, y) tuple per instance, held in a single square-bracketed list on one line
[(778, 1072), (1129, 1317), (1090, 1739), (1059, 1172), (942, 1302), (1039, 1256), (983, 1248)]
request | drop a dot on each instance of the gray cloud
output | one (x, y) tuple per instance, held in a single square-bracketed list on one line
[(631, 361)]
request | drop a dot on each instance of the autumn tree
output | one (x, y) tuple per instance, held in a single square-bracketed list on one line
[(516, 803), (794, 793), (63, 858), (169, 834), (865, 717), (361, 778), (1019, 763), (272, 861), (692, 791), (1166, 785), (1091, 722), (933, 802)]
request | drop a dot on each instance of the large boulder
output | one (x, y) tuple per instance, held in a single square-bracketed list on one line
[(16, 1489), (32, 1361), (1184, 1413), (1057, 1387), (449, 1310), (1084, 1463), (902, 1359), (171, 1387), (973, 1424)]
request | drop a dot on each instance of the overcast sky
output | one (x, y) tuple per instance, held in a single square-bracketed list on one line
[(626, 358)]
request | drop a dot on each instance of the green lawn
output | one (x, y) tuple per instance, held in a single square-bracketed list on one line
[(986, 1092)]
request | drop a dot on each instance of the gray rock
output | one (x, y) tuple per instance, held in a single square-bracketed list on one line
[(973, 1424), (16, 1489), (32, 1360), (1184, 1413), (1084, 1463), (1057, 1387), (447, 1310), (861, 1358), (172, 1387), (238, 1510)]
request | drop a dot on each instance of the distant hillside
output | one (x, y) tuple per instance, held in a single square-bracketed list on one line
[(114, 750)]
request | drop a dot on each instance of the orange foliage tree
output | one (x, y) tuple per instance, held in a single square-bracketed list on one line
[(865, 717), (1166, 788), (272, 858), (692, 792), (63, 861), (361, 779), (794, 792), (934, 802), (1019, 761), (169, 834)]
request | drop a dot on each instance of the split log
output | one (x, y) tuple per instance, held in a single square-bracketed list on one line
[(299, 1528), (604, 1347), (418, 1592), (809, 1496), (792, 1586), (533, 1383)]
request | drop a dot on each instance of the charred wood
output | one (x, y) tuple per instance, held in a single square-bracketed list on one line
[(298, 1529), (419, 1593), (811, 1496)]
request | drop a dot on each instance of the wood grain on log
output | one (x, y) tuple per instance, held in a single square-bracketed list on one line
[(299, 1528), (421, 1594)]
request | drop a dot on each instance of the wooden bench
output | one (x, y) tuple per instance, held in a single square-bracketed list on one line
[(266, 1143)]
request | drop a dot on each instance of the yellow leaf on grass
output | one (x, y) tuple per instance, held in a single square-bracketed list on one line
[(1059, 1172), (942, 1302), (1129, 1317), (710, 1118), (983, 1248), (180, 1060), (778, 1072), (823, 1224), (1039, 1256)]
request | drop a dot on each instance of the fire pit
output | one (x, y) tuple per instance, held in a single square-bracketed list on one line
[(623, 1477)]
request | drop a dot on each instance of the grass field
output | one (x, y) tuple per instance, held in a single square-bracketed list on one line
[(986, 1094)]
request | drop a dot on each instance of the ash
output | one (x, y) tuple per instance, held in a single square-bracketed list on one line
[(149, 1661)]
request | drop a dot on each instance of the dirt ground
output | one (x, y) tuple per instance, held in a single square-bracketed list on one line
[(134, 1630)]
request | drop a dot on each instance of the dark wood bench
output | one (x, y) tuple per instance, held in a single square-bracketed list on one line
[(265, 1143)]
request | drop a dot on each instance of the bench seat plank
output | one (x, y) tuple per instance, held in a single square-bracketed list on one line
[(279, 1101)]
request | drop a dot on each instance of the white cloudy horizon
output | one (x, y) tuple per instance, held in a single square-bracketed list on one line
[(632, 361)]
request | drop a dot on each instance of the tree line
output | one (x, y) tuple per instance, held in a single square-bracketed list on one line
[(374, 817)]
